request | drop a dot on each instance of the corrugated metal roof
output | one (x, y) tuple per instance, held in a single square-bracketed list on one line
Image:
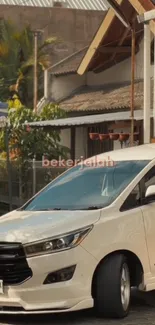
[(75, 4), (89, 119), (3, 105), (3, 112)]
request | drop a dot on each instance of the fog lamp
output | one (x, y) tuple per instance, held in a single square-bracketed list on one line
[(62, 275)]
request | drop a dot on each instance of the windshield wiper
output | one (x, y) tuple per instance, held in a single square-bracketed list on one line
[(93, 207), (50, 209)]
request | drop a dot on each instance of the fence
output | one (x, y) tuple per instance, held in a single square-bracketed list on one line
[(25, 182)]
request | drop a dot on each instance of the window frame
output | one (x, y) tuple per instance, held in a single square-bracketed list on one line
[(142, 190), (133, 207)]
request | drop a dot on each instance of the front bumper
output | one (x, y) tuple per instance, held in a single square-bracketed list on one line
[(34, 297)]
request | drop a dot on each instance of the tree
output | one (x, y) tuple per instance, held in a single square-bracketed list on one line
[(16, 62), (26, 142)]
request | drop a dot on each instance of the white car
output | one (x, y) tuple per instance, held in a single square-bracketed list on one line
[(84, 240)]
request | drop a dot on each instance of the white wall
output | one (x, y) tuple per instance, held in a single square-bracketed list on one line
[(80, 144), (120, 72), (65, 138), (63, 86)]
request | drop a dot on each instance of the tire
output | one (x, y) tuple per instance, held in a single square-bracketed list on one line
[(109, 284)]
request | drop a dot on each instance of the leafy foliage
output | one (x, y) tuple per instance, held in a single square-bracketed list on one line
[(26, 142), (16, 61), (14, 101)]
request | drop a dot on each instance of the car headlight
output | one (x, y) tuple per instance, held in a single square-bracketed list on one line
[(56, 244)]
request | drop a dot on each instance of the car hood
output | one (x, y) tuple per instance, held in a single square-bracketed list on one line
[(29, 226)]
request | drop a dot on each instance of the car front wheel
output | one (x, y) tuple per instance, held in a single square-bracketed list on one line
[(112, 294)]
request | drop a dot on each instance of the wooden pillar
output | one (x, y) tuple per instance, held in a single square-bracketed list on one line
[(147, 83), (73, 138), (141, 135)]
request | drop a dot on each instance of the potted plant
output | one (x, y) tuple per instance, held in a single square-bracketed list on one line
[(113, 136), (124, 137), (94, 136), (104, 136)]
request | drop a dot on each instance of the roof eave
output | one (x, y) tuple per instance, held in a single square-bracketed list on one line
[(97, 40), (62, 74), (139, 5)]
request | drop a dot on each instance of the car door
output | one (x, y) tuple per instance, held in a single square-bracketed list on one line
[(148, 211), (131, 218)]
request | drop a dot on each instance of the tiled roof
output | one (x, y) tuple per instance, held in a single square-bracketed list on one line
[(75, 4), (68, 65), (112, 97)]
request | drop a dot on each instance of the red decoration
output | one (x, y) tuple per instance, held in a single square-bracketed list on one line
[(114, 136), (103, 136), (94, 136), (124, 136)]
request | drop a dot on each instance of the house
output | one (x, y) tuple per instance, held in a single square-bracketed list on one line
[(93, 84)]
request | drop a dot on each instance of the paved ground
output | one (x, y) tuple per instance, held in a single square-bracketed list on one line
[(142, 313)]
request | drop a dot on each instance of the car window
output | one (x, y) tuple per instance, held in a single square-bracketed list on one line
[(136, 197), (85, 187), (149, 178), (133, 200)]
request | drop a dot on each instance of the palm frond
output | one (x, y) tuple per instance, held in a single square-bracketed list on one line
[(49, 41), (4, 49), (44, 61), (17, 59), (28, 63)]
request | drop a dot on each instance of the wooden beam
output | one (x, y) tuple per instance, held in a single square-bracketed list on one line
[(101, 33), (126, 33), (122, 125), (141, 6), (138, 5), (117, 49)]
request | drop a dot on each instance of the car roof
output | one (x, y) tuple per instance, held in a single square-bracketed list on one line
[(142, 152)]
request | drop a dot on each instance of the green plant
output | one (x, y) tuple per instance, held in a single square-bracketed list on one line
[(25, 142), (17, 60)]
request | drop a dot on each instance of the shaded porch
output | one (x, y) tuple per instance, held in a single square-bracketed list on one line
[(98, 123)]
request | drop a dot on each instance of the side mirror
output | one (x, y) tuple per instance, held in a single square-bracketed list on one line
[(150, 193)]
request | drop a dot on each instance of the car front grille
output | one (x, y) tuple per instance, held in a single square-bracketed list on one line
[(14, 268)]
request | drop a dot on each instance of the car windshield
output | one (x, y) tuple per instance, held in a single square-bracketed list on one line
[(84, 187)]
